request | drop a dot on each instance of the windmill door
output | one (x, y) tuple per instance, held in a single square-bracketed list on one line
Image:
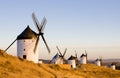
[(24, 56)]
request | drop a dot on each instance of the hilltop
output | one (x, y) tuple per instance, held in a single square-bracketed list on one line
[(13, 67)]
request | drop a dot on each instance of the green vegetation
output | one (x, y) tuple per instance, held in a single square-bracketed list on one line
[(13, 67)]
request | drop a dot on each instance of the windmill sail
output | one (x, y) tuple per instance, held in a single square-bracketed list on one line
[(59, 50), (45, 43), (40, 28), (43, 23), (64, 52), (36, 22), (36, 44)]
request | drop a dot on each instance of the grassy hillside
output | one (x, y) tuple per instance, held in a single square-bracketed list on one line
[(13, 67)]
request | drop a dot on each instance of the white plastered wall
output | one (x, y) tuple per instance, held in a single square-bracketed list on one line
[(72, 63), (83, 60), (112, 67), (98, 63), (26, 47), (59, 60)]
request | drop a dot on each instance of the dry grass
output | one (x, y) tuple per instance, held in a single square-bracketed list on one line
[(13, 67)]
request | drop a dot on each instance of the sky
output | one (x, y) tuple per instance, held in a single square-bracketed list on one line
[(79, 25)]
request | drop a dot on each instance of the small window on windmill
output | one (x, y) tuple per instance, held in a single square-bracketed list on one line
[(24, 56), (24, 49)]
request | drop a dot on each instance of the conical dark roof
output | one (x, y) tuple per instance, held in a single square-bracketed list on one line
[(27, 34), (98, 59), (85, 55), (71, 58)]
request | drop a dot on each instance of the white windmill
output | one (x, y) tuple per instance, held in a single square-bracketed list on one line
[(98, 61), (59, 58), (113, 66), (27, 41), (83, 58), (72, 61)]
